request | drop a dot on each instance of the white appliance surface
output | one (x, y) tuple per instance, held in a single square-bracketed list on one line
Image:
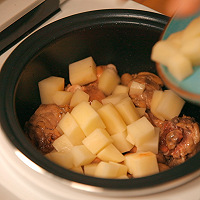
[(10, 10), (18, 180)]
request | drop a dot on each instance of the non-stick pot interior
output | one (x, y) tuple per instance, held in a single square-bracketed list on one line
[(121, 37)]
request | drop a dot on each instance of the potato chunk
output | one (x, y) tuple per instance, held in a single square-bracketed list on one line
[(141, 131), (95, 104), (82, 72), (141, 111), (106, 170), (191, 50), (127, 110), (114, 98), (136, 88), (82, 156), (108, 81), (191, 31), (180, 66), (120, 141), (141, 164), (121, 89), (77, 169), (70, 127), (48, 87), (78, 97), (111, 153), (162, 50), (62, 97), (64, 159), (112, 119), (122, 169), (62, 144), (97, 140), (87, 118), (90, 169), (151, 145), (170, 105), (157, 96)]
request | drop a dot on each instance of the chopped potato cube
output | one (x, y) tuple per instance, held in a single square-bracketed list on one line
[(141, 111), (122, 169), (175, 38), (95, 104), (70, 127), (127, 110), (121, 89), (191, 50), (62, 97), (170, 105), (141, 164), (141, 131), (108, 80), (106, 170), (78, 97), (110, 153), (120, 141), (97, 140), (128, 162), (87, 118), (191, 31), (112, 119), (48, 87), (77, 169), (123, 177), (82, 156), (151, 145), (62, 144), (130, 139), (90, 169), (87, 67), (156, 98), (114, 98), (64, 159), (136, 88), (162, 50), (179, 66)]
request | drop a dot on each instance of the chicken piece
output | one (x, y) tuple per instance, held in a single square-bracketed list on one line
[(163, 167), (151, 81), (160, 157), (179, 139), (41, 127), (94, 92), (92, 89), (126, 78)]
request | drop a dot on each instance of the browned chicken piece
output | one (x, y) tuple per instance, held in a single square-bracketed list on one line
[(94, 92), (92, 89), (151, 81), (179, 139), (162, 167), (160, 157), (41, 127)]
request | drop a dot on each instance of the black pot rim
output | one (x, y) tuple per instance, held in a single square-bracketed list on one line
[(14, 65)]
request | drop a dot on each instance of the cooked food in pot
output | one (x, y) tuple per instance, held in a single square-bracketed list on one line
[(108, 126)]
